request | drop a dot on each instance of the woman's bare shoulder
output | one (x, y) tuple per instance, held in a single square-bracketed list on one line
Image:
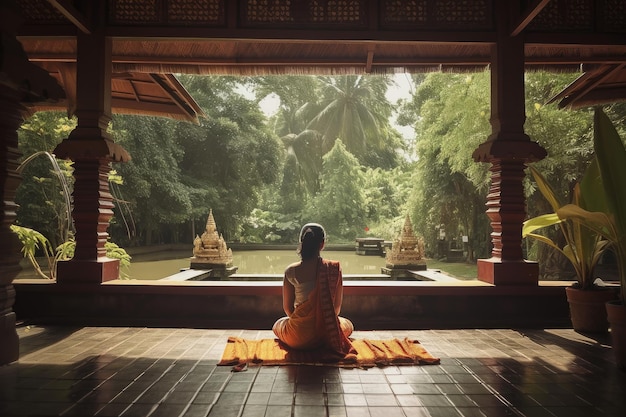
[(292, 267), (332, 263)]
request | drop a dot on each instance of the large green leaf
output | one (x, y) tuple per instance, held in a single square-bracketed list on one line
[(611, 156), (539, 222), (612, 163), (545, 189), (597, 221), (592, 196)]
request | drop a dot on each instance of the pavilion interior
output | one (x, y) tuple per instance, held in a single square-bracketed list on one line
[(78, 54), (86, 46)]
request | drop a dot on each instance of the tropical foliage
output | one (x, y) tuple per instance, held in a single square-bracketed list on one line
[(328, 151), (608, 219), (41, 196), (583, 246), (34, 243), (340, 204), (450, 113)]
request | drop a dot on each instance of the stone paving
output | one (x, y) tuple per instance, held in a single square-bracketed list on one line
[(95, 371)]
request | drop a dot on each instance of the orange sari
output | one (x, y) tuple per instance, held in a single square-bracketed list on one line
[(314, 324)]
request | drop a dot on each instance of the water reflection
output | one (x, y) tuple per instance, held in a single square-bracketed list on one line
[(254, 262)]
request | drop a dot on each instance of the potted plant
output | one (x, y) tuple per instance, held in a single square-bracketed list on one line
[(611, 223), (583, 248)]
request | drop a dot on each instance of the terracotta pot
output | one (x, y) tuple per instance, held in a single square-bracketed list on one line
[(587, 309), (616, 313)]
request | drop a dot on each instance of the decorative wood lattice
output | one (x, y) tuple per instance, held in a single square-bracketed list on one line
[(430, 14), (569, 15), (40, 11), (135, 11), (345, 12), (464, 13), (402, 11), (615, 16), (196, 11)]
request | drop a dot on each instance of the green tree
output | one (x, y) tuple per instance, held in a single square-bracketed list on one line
[(229, 156), (303, 150), (42, 198), (450, 113), (153, 183), (354, 109), (567, 136), (386, 193), (450, 188), (340, 204)]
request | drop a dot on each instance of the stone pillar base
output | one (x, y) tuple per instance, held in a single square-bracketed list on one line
[(496, 272), (10, 342), (215, 271), (402, 273), (88, 272)]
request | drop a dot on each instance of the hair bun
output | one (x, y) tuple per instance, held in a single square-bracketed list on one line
[(316, 229)]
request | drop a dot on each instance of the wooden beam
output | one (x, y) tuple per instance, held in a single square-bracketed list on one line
[(73, 15), (533, 10), (612, 95), (135, 93), (594, 82), (163, 83), (370, 60), (326, 61)]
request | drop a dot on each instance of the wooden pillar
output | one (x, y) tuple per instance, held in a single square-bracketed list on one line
[(10, 120), (92, 150), (20, 82), (508, 149)]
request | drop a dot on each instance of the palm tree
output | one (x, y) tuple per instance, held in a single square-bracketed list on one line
[(303, 159), (355, 110)]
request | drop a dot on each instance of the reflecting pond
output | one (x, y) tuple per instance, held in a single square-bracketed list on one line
[(163, 264)]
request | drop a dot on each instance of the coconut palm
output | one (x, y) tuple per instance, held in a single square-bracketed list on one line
[(303, 160), (353, 109)]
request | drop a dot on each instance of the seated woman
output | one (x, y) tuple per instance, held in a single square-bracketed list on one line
[(312, 296)]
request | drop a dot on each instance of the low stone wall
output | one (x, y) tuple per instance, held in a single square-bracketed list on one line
[(256, 305)]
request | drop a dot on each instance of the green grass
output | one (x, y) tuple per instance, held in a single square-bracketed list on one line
[(460, 270)]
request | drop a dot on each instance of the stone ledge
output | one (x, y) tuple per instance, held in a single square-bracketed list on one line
[(256, 305)]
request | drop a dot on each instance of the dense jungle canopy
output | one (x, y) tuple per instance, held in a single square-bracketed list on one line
[(332, 152)]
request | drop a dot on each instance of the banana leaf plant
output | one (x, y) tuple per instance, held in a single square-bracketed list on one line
[(583, 245), (611, 221)]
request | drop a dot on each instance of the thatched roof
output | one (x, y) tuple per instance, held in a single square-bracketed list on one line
[(131, 93)]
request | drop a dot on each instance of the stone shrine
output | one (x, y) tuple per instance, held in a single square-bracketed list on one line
[(211, 253), (406, 254)]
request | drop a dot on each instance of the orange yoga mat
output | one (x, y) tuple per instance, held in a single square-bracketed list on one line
[(242, 352)]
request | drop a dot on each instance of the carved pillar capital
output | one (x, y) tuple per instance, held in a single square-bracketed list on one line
[(514, 148)]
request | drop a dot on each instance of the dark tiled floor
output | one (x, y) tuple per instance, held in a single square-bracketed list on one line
[(172, 372)]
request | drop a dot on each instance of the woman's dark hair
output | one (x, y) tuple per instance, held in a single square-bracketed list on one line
[(312, 236)]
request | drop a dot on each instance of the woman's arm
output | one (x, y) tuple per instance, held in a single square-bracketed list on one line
[(289, 296)]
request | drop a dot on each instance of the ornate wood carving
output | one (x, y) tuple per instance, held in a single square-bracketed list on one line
[(195, 12), (614, 16), (570, 15), (318, 12), (431, 14)]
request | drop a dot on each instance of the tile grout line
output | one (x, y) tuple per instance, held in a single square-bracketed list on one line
[(493, 392)]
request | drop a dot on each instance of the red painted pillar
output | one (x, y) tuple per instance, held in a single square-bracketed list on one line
[(20, 82), (92, 150), (508, 149)]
